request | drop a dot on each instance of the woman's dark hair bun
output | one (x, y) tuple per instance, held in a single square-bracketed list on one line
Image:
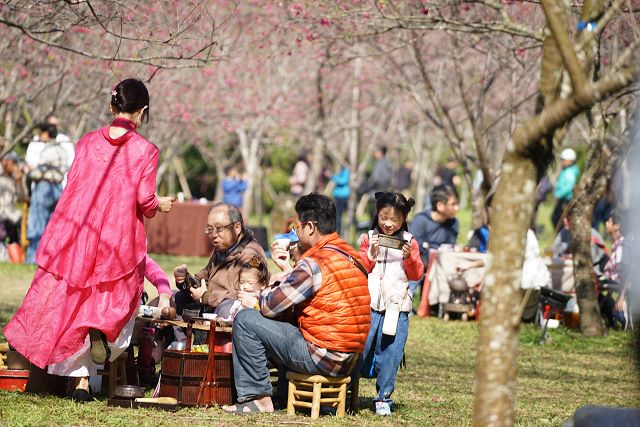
[(129, 96), (411, 202)]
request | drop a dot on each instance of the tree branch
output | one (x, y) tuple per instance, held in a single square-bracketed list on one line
[(552, 11)]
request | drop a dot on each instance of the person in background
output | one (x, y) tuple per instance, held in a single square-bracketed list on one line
[(390, 270), (47, 172), (299, 175), (65, 142), (233, 186), (12, 191), (562, 246), (402, 178), (81, 307), (565, 184), (618, 268), (437, 227), (448, 174), (380, 178), (341, 193)]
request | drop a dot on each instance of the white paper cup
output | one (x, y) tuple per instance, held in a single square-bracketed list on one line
[(284, 244)]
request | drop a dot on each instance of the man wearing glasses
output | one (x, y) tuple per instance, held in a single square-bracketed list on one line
[(329, 296), (233, 245)]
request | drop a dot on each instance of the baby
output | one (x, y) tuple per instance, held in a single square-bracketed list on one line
[(253, 278)]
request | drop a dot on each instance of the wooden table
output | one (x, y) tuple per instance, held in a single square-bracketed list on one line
[(183, 324)]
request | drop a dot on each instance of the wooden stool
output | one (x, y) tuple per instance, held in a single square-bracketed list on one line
[(117, 373), (309, 391)]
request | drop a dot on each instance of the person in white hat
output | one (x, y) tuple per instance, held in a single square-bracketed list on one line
[(567, 180)]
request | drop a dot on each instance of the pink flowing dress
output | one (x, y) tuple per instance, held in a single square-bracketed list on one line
[(91, 259)]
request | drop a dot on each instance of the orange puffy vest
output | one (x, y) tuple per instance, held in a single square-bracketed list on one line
[(338, 316)]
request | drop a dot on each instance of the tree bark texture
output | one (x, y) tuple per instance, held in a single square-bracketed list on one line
[(497, 346), (589, 189), (527, 155)]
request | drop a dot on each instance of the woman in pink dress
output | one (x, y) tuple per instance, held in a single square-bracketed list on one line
[(91, 259)]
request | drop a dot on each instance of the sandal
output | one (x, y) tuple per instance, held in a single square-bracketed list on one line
[(251, 405), (81, 395), (100, 351)]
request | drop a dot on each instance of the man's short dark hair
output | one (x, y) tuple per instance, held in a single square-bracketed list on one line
[(383, 150), (619, 217), (442, 194), (319, 208)]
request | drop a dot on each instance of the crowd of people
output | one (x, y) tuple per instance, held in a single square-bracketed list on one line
[(330, 310)]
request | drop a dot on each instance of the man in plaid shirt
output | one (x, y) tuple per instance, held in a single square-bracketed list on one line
[(329, 295)]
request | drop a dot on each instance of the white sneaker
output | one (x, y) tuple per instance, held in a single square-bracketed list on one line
[(382, 408)]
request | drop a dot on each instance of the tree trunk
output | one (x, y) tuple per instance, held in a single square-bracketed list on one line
[(497, 346), (587, 193), (354, 143), (317, 159)]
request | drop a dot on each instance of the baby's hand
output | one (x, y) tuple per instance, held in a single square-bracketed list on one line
[(248, 299)]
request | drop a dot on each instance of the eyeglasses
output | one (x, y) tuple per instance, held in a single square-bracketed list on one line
[(209, 229)]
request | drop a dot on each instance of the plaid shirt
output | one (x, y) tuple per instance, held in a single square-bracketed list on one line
[(618, 265), (296, 288)]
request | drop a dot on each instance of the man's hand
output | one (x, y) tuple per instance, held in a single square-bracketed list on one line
[(281, 257), (180, 273), (196, 293), (165, 204), (406, 251)]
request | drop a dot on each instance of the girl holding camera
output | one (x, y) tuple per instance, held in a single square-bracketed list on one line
[(392, 257)]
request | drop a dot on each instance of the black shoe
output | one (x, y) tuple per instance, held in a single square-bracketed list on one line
[(100, 351), (80, 395)]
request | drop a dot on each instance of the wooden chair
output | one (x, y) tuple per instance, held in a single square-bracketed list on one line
[(117, 372), (310, 391)]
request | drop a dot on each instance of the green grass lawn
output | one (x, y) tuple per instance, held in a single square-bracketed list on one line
[(436, 388)]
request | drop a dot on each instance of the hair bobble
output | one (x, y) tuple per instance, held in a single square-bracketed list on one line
[(114, 92), (254, 262)]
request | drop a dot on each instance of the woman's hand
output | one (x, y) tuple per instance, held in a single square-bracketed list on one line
[(406, 251), (164, 301), (248, 299), (165, 204)]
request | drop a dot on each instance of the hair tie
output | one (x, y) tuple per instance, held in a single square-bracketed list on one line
[(114, 92), (254, 262)]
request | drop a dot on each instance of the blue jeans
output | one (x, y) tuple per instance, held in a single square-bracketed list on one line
[(383, 354), (256, 338), (44, 197)]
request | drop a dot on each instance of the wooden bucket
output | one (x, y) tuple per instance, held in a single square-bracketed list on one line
[(184, 372), (13, 379)]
